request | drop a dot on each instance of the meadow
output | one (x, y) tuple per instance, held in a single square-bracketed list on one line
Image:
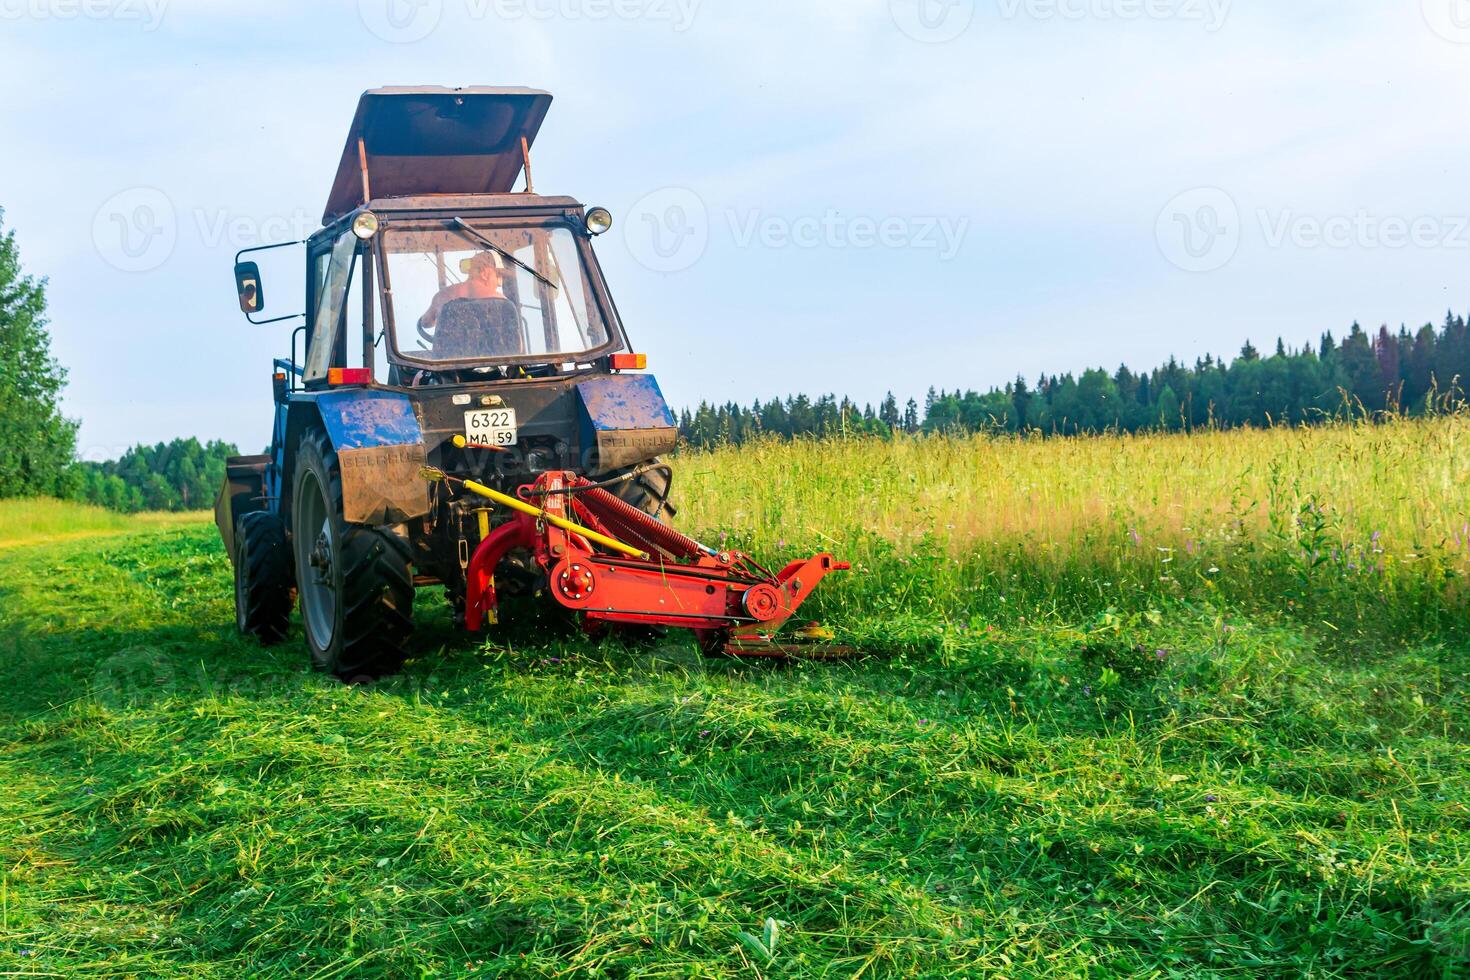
[(1154, 705)]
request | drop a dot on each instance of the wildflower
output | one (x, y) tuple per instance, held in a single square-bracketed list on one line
[(923, 722), (1214, 570), (1211, 798), (1086, 688), (703, 732), (1161, 654), (1137, 538)]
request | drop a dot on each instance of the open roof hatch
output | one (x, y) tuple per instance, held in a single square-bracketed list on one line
[(431, 140)]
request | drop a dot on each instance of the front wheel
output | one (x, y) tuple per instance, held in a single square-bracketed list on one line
[(355, 583)]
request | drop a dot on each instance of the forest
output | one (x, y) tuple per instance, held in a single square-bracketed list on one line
[(1363, 375)]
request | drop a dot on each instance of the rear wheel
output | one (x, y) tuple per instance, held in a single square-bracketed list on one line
[(355, 583), (262, 577), (649, 492)]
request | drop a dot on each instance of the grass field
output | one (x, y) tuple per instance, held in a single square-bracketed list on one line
[(1156, 706)]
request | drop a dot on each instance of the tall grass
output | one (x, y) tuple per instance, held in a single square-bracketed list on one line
[(42, 517), (32, 519), (1367, 524)]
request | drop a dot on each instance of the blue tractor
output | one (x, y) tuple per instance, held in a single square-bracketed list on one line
[(461, 408), (438, 304)]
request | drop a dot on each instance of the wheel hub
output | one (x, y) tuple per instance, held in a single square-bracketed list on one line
[(320, 558)]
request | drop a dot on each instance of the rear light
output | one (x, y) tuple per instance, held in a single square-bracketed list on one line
[(349, 376), (628, 362)]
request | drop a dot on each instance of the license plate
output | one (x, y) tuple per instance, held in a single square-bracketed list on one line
[(490, 427)]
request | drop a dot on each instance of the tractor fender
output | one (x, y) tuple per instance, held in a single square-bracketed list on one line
[(624, 420), (380, 449)]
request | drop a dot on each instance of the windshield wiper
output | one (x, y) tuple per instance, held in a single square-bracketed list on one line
[(460, 224)]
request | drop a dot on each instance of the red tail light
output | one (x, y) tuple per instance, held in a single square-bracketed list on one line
[(628, 362), (349, 376)]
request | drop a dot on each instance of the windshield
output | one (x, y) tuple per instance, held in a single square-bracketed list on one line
[(463, 293)]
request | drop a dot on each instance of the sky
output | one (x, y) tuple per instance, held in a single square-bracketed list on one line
[(853, 196)]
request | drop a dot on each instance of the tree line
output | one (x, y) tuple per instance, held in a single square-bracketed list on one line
[(184, 474), (1362, 375)]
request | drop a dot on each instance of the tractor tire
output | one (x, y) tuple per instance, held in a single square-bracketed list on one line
[(263, 577), (355, 583), (649, 492)]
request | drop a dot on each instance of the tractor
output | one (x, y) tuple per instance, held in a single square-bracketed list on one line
[(461, 408)]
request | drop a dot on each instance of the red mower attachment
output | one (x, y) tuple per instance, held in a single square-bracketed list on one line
[(613, 563)]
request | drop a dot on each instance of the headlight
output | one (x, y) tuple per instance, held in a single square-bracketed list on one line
[(365, 225), (599, 220)]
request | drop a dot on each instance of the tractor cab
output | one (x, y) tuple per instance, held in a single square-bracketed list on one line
[(429, 269)]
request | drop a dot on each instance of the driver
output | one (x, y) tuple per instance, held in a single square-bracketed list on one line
[(484, 270)]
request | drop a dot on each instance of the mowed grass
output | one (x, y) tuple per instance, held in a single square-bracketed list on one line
[(1067, 756)]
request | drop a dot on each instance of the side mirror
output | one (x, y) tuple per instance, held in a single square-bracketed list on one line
[(247, 285)]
